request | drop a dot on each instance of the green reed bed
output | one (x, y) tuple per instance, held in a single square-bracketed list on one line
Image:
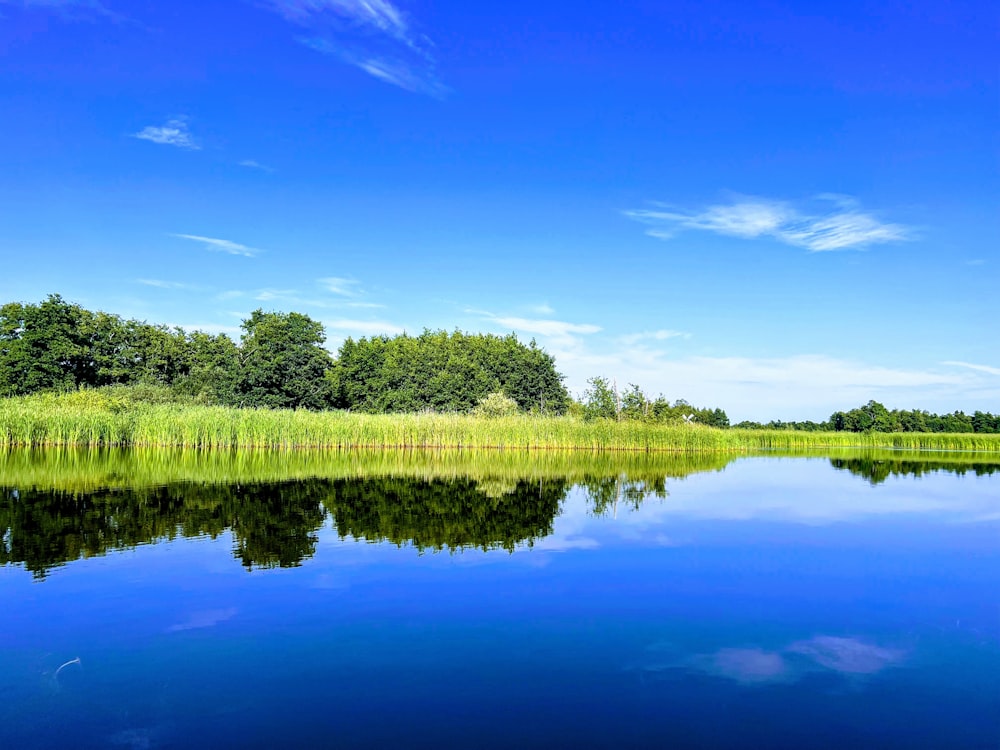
[(94, 418)]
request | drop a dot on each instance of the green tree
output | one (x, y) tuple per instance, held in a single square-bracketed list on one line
[(283, 364), (600, 401), (43, 347)]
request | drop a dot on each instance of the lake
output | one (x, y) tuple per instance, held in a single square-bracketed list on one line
[(183, 599)]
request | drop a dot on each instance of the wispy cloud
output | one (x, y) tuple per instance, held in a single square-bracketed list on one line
[(251, 164), (160, 284), (545, 327), (174, 133), (337, 285), (221, 246), (662, 334), (364, 327), (372, 35), (978, 368), (346, 292), (805, 386), (842, 225)]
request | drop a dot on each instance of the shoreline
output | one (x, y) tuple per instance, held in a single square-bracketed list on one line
[(84, 420)]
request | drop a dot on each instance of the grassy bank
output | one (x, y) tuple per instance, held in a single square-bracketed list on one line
[(91, 418)]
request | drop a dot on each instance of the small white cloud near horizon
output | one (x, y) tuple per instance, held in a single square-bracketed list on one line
[(221, 246), (843, 226), (546, 327), (970, 366), (364, 327), (160, 284), (662, 334), (174, 133)]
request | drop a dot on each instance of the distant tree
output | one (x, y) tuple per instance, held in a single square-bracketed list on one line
[(600, 400), (282, 362)]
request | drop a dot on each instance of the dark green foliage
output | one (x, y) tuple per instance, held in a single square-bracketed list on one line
[(42, 347), (456, 513), (877, 470), (874, 417), (283, 364), (445, 372), (56, 345), (273, 524)]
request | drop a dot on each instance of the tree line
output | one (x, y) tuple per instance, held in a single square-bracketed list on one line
[(876, 417), (279, 362)]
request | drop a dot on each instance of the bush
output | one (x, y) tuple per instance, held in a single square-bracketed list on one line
[(496, 404)]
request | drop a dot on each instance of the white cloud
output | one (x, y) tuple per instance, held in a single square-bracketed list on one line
[(221, 246), (174, 133), (375, 14), (841, 226), (979, 368), (364, 327), (545, 327), (160, 284), (387, 68), (251, 164), (372, 35), (540, 309), (341, 286), (662, 334), (792, 388)]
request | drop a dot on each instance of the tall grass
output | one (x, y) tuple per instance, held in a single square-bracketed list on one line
[(95, 418)]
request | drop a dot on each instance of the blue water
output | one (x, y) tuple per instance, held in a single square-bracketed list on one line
[(777, 603)]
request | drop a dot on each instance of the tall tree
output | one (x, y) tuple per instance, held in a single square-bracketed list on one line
[(43, 346), (283, 363)]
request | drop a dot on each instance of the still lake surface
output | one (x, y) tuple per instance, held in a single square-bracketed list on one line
[(192, 600)]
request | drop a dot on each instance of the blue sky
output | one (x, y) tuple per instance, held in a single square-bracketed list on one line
[(778, 208)]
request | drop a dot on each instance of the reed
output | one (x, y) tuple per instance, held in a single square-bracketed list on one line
[(95, 418)]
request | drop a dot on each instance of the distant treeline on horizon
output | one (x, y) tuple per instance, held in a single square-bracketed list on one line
[(280, 362)]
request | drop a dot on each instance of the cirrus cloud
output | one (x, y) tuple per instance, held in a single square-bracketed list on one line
[(840, 225)]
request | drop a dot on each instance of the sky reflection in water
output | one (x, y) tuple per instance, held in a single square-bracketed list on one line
[(779, 602)]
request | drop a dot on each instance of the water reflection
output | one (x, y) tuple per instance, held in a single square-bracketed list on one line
[(61, 506), (847, 657), (879, 467)]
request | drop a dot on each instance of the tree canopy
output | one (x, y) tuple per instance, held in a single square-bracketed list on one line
[(445, 372)]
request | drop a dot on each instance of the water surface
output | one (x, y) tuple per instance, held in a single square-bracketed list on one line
[(496, 600)]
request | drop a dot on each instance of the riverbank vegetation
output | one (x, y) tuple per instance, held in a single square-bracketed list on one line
[(75, 377), (114, 418), (58, 505)]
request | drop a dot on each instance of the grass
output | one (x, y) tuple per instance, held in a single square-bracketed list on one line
[(96, 418)]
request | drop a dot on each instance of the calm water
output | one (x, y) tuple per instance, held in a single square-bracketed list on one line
[(759, 602)]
